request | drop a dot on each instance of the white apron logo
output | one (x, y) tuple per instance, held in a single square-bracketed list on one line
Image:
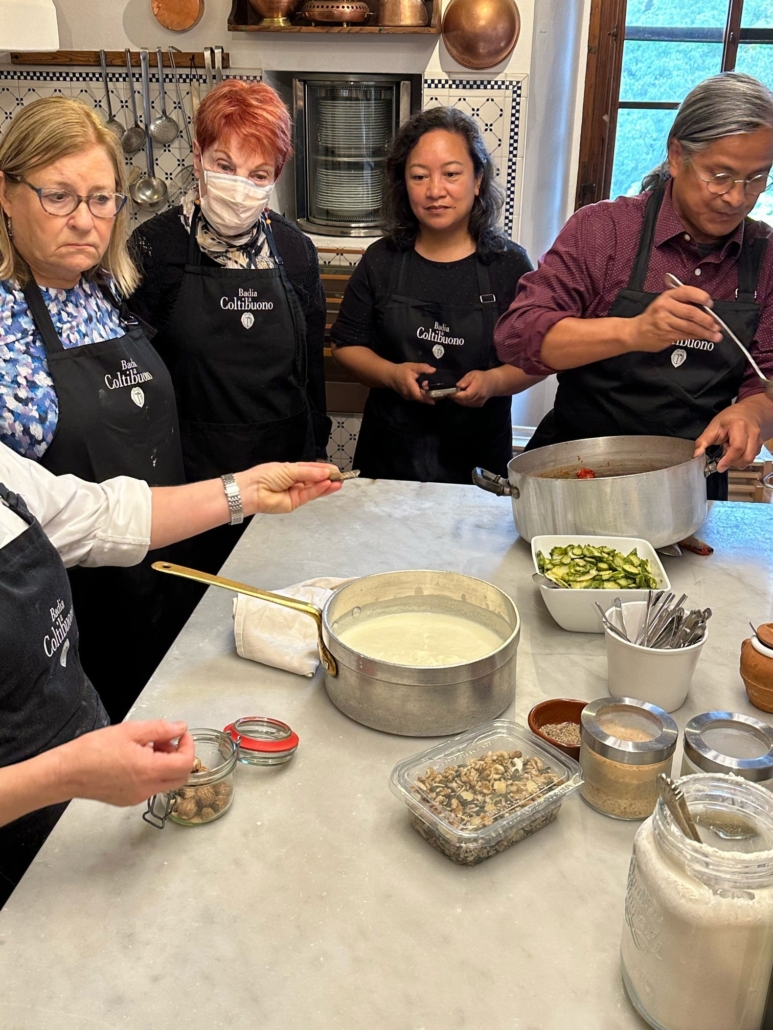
[(248, 320), (439, 333), (138, 396), (247, 300), (678, 357), (63, 655), (57, 635), (438, 351), (128, 376)]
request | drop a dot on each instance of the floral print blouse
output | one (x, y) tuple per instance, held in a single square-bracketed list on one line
[(29, 409)]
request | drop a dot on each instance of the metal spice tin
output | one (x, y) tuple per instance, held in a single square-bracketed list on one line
[(629, 710), (726, 742)]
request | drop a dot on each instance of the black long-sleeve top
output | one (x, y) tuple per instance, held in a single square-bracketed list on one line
[(160, 249)]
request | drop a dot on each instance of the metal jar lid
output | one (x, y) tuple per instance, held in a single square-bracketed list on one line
[(757, 734), (628, 752), (263, 741)]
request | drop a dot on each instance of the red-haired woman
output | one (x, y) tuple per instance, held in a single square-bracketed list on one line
[(235, 295)]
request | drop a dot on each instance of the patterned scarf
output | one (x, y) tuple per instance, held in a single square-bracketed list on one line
[(249, 251)]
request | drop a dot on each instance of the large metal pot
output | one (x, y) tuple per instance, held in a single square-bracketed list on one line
[(647, 486), (410, 700)]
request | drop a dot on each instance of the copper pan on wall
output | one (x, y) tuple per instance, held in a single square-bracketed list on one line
[(481, 33)]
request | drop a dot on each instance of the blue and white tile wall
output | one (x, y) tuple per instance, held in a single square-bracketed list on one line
[(498, 105), (23, 86)]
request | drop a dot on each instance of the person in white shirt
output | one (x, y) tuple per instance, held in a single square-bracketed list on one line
[(48, 522)]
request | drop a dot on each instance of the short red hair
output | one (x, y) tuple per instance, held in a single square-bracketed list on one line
[(252, 112)]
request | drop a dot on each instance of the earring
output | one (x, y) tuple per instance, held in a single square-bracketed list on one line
[(10, 228)]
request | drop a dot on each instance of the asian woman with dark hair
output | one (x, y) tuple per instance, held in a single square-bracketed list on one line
[(417, 320)]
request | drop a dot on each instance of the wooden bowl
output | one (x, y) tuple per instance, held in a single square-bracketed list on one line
[(757, 670), (557, 709)]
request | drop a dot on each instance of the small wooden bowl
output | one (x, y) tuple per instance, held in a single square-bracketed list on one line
[(757, 670), (557, 709)]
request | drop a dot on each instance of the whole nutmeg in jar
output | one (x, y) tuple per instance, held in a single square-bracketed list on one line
[(209, 792), (757, 667)]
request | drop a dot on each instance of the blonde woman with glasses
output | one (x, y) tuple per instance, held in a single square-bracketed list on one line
[(82, 390)]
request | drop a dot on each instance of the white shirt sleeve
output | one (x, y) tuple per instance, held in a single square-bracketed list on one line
[(88, 523)]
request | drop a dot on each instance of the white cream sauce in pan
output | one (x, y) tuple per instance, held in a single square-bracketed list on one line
[(421, 638)]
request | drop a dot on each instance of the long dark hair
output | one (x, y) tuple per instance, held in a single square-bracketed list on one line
[(398, 221)]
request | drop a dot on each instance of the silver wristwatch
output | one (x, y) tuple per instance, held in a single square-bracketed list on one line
[(234, 497)]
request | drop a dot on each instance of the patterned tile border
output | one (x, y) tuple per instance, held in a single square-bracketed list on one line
[(514, 87)]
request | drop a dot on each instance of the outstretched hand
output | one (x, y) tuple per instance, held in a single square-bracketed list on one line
[(128, 763), (280, 487)]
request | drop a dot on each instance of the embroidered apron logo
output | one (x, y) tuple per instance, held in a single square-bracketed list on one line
[(60, 627), (138, 396), (246, 301), (248, 320), (438, 351), (128, 376), (678, 357), (439, 334)]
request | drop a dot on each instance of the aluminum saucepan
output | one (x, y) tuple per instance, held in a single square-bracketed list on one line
[(646, 486), (414, 701)]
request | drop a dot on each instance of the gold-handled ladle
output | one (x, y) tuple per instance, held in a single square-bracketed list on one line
[(673, 282), (328, 661)]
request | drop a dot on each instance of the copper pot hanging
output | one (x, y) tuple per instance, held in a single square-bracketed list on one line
[(481, 33)]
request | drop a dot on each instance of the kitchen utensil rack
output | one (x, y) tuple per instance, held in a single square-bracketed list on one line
[(114, 58)]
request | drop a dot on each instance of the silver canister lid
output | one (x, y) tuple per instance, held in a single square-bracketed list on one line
[(628, 731), (727, 742)]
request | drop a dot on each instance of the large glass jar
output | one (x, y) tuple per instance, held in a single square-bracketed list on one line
[(726, 742), (625, 745), (697, 945)]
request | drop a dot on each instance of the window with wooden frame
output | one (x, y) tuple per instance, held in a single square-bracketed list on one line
[(644, 56)]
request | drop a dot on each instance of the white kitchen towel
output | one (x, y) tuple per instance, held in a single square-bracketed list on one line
[(281, 637)]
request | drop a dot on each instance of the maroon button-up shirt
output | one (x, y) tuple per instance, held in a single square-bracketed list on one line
[(591, 261)]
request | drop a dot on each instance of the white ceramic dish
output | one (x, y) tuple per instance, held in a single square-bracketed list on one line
[(574, 609), (661, 676)]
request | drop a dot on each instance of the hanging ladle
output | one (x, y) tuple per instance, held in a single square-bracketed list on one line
[(148, 192), (673, 282), (163, 129), (112, 122), (133, 139)]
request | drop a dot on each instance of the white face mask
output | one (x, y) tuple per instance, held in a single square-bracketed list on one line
[(232, 205)]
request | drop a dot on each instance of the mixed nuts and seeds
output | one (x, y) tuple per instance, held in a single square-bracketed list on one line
[(471, 796), (202, 804)]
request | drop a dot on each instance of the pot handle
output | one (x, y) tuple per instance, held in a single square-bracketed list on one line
[(494, 484), (328, 661), (713, 457)]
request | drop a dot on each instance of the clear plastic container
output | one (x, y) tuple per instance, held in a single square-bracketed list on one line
[(726, 742), (481, 792), (626, 744), (697, 943)]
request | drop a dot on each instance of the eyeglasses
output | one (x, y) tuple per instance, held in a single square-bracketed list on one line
[(62, 202), (723, 182)]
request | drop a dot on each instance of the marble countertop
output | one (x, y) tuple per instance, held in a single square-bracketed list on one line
[(313, 903)]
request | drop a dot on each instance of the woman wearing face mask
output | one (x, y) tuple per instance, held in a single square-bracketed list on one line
[(235, 294)]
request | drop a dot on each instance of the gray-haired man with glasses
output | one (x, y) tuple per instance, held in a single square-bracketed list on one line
[(632, 357)]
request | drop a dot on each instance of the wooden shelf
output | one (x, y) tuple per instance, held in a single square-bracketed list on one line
[(113, 58), (243, 19)]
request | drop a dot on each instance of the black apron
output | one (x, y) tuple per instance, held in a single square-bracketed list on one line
[(235, 346), (675, 392), (117, 417), (402, 439), (45, 697)]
